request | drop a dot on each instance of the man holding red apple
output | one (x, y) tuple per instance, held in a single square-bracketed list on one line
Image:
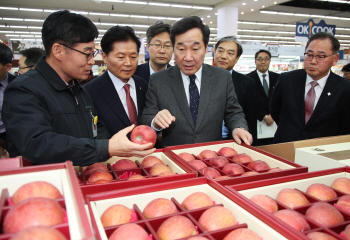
[(189, 101)]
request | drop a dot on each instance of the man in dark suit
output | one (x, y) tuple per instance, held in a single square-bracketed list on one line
[(160, 50), (189, 101), (227, 53), (312, 102), (5, 78), (118, 95), (265, 81)]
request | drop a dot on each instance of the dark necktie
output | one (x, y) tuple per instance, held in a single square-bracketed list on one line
[(131, 106), (266, 87), (310, 101), (194, 98)]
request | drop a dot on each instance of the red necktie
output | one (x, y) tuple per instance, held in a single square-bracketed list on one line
[(310, 101), (131, 106)]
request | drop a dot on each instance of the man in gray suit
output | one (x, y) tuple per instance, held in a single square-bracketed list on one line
[(189, 101)]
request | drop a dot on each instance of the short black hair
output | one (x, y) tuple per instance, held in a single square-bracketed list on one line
[(188, 23), (158, 27), (6, 54), (32, 55), (68, 28), (118, 34), (231, 39), (262, 50), (346, 68), (323, 35)]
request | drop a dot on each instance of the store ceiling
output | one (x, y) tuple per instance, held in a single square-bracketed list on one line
[(253, 24)]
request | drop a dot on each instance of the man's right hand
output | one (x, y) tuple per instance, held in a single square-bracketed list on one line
[(119, 145), (163, 119), (269, 121)]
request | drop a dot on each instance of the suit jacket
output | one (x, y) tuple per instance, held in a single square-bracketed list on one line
[(142, 71), (263, 100), (245, 91), (218, 102), (11, 77), (330, 117), (108, 104)]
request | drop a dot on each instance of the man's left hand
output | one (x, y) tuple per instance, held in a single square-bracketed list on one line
[(240, 135)]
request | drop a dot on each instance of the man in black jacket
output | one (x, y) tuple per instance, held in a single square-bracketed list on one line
[(227, 53), (49, 117)]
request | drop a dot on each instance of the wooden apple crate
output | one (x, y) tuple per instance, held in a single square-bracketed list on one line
[(288, 167), (300, 182), (62, 176), (138, 198)]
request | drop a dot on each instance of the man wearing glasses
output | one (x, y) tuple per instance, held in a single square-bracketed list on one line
[(49, 117), (160, 50), (29, 59), (312, 102), (265, 81), (346, 71)]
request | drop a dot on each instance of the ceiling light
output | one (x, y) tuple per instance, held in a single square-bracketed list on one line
[(31, 9), (100, 14), (49, 10), (160, 4), (243, 4), (7, 31), (22, 32), (138, 16), (331, 17), (263, 6), (11, 35), (80, 12), (27, 35), (268, 12), (301, 15), (204, 8), (118, 15), (216, 13), (8, 8), (156, 17), (13, 19), (211, 22), (180, 6), (242, 13), (135, 2), (208, 16), (175, 19), (15, 39), (274, 2), (120, 1), (34, 20), (252, 10)]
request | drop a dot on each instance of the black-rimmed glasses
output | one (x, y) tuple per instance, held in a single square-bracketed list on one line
[(319, 58), (88, 55), (158, 46)]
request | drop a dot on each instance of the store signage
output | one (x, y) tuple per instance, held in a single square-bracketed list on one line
[(18, 46), (275, 50), (304, 31)]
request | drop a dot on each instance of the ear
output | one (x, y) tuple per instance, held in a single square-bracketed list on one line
[(57, 51), (206, 49), (8, 66), (104, 57), (335, 59), (147, 46)]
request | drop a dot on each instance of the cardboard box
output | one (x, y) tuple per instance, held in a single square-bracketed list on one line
[(273, 161), (300, 182), (62, 176), (324, 156), (138, 198), (287, 150)]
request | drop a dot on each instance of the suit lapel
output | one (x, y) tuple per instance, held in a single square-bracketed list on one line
[(177, 87), (299, 90), (329, 91), (110, 94)]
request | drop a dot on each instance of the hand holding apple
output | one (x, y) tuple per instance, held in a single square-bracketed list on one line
[(143, 134)]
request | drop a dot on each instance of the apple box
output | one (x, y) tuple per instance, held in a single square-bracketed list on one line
[(138, 198), (62, 176), (13, 163), (300, 183), (284, 167)]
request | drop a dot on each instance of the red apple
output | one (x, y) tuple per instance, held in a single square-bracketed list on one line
[(115, 215), (210, 172), (249, 173), (96, 166), (344, 203), (159, 207), (291, 198), (276, 169), (227, 151), (258, 165), (324, 214), (265, 202), (158, 169), (136, 177), (32, 212), (242, 158), (293, 219), (346, 232), (222, 178), (218, 161), (176, 227), (143, 134), (102, 181), (36, 189), (320, 236), (150, 161), (198, 238), (198, 164), (342, 184), (99, 175), (207, 154), (186, 156), (217, 218), (242, 234), (233, 168), (39, 233), (124, 164), (165, 174), (130, 231), (321, 191), (197, 200)]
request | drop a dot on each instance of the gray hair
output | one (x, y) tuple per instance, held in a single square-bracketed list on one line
[(231, 39)]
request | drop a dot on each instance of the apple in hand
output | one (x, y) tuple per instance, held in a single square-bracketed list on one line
[(143, 134)]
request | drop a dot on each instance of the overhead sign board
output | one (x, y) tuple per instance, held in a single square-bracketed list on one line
[(303, 31)]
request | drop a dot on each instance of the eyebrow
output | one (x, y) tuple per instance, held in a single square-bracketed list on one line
[(317, 51), (194, 43), (231, 50)]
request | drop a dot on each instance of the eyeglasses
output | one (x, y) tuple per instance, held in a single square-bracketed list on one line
[(25, 67), (263, 59), (159, 46), (88, 55), (319, 58)]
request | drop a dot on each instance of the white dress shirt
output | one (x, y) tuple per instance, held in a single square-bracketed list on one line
[(318, 88), (262, 78), (151, 71), (186, 82), (119, 87)]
